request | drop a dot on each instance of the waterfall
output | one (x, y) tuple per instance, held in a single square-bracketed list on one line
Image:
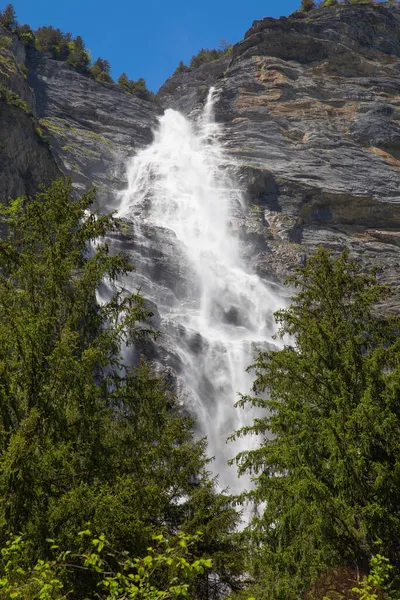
[(182, 199)]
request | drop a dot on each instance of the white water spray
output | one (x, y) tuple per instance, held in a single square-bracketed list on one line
[(182, 196)]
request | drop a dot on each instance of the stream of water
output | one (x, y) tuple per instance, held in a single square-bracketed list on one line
[(214, 311)]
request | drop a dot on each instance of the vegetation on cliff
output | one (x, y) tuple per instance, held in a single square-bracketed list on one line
[(307, 5), (205, 56), (62, 46)]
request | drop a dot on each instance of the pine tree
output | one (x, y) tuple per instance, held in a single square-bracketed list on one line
[(123, 81), (181, 68), (307, 5), (328, 468), (101, 70), (78, 56), (8, 18), (82, 436), (136, 88), (50, 39)]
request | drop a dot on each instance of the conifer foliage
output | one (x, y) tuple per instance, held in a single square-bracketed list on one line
[(307, 5), (81, 437), (8, 18), (328, 469)]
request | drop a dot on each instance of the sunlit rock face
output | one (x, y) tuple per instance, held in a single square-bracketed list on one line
[(310, 111), (93, 127)]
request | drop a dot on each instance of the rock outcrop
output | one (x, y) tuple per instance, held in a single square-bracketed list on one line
[(93, 127), (310, 112), (25, 158)]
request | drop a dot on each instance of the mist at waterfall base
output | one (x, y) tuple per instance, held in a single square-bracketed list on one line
[(182, 199)]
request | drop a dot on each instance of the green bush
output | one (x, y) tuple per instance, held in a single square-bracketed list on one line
[(101, 70), (5, 42), (136, 88), (167, 572), (13, 99), (26, 35), (307, 5)]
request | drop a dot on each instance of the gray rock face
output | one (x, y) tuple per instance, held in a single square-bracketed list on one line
[(187, 91), (25, 159), (310, 107), (93, 127)]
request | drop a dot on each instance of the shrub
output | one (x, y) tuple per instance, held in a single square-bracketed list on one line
[(167, 572), (26, 35), (78, 56), (5, 42), (52, 40), (13, 99), (307, 5), (101, 70), (136, 88)]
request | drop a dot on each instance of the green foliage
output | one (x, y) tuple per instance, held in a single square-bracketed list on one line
[(307, 5), (328, 3), (101, 70), (83, 438), (13, 99), (8, 18), (165, 573), (328, 467), (24, 69), (375, 585), (52, 40), (78, 56), (20, 581), (5, 42), (181, 68), (205, 56), (62, 47), (26, 35), (136, 88)]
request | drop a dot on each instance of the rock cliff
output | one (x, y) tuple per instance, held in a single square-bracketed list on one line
[(309, 108), (310, 112), (25, 158), (93, 127)]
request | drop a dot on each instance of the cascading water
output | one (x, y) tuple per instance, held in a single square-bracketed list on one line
[(182, 198)]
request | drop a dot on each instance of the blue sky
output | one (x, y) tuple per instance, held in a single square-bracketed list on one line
[(148, 38)]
